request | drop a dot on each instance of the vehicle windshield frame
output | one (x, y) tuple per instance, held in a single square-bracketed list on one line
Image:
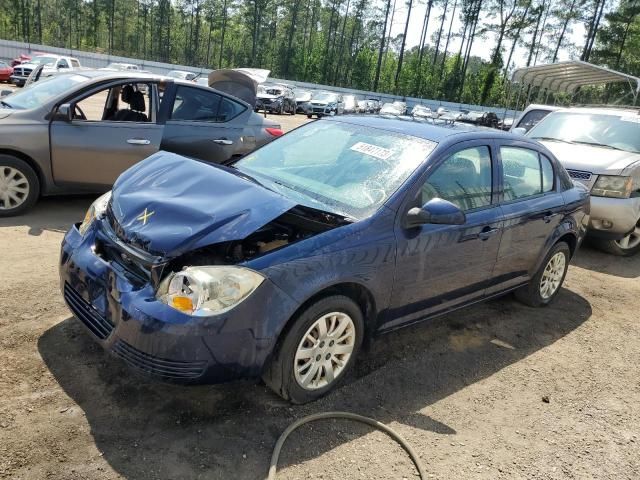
[(65, 84), (561, 126), (336, 181)]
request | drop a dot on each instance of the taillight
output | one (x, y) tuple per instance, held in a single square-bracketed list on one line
[(275, 132)]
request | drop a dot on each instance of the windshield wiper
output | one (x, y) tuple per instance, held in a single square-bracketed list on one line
[(596, 144), (553, 139), (5, 104)]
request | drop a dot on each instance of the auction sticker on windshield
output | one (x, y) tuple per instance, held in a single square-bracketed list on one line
[(372, 150)]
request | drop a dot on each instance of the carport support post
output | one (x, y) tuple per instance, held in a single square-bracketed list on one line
[(518, 99)]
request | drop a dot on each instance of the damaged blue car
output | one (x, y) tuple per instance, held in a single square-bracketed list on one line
[(280, 265)]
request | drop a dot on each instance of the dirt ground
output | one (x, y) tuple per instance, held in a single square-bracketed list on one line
[(495, 391)]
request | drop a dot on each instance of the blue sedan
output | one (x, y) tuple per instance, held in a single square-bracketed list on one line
[(279, 265)]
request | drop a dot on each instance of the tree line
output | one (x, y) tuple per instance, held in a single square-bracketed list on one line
[(348, 42)]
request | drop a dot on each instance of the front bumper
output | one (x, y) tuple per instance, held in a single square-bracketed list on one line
[(153, 338), (613, 218), (18, 80), (321, 110)]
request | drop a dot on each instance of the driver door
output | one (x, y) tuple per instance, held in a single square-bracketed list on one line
[(93, 148), (441, 266)]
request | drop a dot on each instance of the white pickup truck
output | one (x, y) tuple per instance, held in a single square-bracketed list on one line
[(52, 64)]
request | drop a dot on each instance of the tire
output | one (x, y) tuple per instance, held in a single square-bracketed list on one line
[(286, 374), (309, 116), (19, 178), (625, 247), (534, 294)]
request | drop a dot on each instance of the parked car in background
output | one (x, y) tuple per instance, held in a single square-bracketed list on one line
[(78, 132), (51, 65), (120, 67), (390, 108), (22, 58), (421, 111), (350, 103), (506, 123), (531, 116), (326, 103), (402, 106), (363, 106), (374, 104), (483, 119), (303, 97), (182, 75), (301, 252), (278, 99), (6, 71), (600, 148)]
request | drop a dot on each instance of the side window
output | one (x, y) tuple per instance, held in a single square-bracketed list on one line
[(463, 179), (532, 118), (122, 103), (75, 63), (62, 63), (548, 183), (93, 107), (195, 104), (525, 173)]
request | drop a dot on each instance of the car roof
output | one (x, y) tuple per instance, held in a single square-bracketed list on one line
[(429, 130)]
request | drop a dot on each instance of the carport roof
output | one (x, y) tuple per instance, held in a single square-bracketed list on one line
[(568, 76)]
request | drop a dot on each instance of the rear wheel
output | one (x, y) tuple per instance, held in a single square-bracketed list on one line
[(309, 115), (317, 351), (625, 247), (19, 186), (546, 283)]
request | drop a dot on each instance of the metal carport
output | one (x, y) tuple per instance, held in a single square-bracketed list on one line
[(567, 77)]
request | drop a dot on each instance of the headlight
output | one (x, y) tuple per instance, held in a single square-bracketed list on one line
[(332, 105), (203, 291), (96, 210), (612, 186)]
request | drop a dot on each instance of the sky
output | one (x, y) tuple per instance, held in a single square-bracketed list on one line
[(481, 48)]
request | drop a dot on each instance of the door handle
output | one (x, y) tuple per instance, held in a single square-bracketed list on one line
[(548, 216), (139, 141), (487, 232), (223, 141)]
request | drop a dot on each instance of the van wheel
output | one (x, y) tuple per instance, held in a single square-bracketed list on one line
[(309, 116), (546, 283), (19, 186), (317, 351), (625, 247)]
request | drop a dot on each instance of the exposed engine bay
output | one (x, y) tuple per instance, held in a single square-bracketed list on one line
[(297, 224)]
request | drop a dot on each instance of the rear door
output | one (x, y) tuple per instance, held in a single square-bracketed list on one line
[(532, 207), (203, 123), (93, 149)]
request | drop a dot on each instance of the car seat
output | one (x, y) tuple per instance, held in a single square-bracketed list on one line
[(135, 112)]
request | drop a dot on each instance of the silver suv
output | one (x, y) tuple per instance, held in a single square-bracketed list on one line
[(600, 147)]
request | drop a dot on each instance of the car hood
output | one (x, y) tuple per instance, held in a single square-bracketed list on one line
[(168, 205), (239, 82), (321, 102), (35, 65), (596, 160), (267, 96)]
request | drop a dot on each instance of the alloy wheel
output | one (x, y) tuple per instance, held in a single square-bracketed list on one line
[(14, 188), (630, 241), (324, 351), (552, 275)]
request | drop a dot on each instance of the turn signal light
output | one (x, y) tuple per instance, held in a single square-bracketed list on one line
[(275, 132), (183, 303)]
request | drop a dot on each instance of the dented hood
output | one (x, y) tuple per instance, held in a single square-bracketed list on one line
[(169, 204), (239, 82)]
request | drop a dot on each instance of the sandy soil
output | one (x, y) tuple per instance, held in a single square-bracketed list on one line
[(494, 391)]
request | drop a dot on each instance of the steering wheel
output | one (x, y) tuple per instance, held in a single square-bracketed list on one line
[(373, 189), (78, 113)]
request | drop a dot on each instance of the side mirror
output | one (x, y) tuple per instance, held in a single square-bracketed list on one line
[(64, 113), (436, 211), (519, 131)]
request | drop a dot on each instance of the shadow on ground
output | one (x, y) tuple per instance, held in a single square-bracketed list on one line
[(590, 258), (55, 214), (151, 430)]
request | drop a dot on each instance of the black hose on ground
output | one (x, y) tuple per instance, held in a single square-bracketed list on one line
[(348, 416)]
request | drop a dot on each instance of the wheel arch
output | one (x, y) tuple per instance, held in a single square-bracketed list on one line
[(29, 161), (570, 239)]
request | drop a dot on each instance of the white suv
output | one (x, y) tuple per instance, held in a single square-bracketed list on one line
[(600, 147)]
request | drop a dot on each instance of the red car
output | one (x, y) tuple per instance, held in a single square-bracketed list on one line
[(5, 71)]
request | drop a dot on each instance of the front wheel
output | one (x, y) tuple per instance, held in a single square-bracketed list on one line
[(625, 247), (19, 186), (317, 351), (546, 283)]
